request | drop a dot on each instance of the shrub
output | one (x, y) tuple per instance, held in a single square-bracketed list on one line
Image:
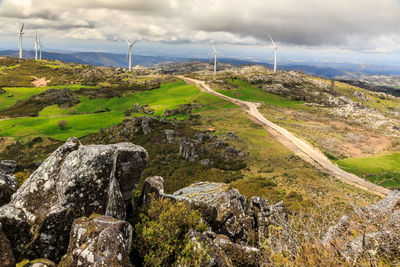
[(161, 234), (21, 177), (62, 124)]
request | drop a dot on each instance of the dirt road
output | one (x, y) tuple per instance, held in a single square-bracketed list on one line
[(300, 147)]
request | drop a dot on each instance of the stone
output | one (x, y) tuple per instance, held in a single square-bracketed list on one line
[(99, 241), (145, 125), (187, 149), (206, 162), (74, 181), (205, 241), (231, 214), (153, 187), (6, 254), (360, 95), (373, 230), (8, 186), (170, 135), (8, 166)]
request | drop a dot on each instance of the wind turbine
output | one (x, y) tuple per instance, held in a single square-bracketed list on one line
[(215, 57), (20, 39), (129, 54), (274, 49), (36, 46), (40, 49)]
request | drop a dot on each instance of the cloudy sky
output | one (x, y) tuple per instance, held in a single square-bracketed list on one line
[(349, 29)]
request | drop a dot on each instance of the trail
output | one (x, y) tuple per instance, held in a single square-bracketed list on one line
[(300, 147)]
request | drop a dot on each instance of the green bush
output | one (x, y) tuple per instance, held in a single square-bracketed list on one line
[(62, 124), (161, 235)]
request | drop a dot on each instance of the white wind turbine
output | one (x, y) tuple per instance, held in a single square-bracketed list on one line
[(21, 32), (129, 54), (36, 46), (215, 57), (40, 49), (274, 50)]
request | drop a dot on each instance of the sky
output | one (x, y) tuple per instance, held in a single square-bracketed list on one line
[(357, 31)]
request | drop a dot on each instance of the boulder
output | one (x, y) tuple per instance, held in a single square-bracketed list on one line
[(170, 135), (231, 214), (99, 241), (206, 162), (6, 254), (368, 231), (74, 181), (8, 186), (205, 242), (187, 149), (153, 187), (8, 166), (239, 228)]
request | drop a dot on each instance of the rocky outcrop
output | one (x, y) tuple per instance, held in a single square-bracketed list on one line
[(236, 223), (8, 186), (373, 230), (8, 166), (74, 181), (231, 214), (205, 148), (360, 95), (182, 109), (99, 241), (153, 188), (6, 254), (145, 109)]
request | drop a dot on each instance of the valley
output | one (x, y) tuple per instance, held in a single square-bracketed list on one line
[(198, 127)]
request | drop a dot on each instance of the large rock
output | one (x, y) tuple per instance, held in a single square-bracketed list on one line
[(6, 255), (369, 231), (8, 186), (74, 181), (8, 166), (99, 241), (229, 213)]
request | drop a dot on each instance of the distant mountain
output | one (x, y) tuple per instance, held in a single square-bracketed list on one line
[(330, 70)]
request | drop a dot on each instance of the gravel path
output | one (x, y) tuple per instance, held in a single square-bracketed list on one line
[(308, 151)]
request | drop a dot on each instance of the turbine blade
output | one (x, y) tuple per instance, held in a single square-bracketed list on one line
[(22, 28), (212, 43), (271, 39)]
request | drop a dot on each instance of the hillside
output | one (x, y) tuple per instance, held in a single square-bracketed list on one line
[(187, 136)]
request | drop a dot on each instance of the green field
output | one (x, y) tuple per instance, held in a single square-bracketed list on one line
[(250, 92), (82, 119), (383, 170)]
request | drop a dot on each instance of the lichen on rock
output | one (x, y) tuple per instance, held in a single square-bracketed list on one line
[(74, 181)]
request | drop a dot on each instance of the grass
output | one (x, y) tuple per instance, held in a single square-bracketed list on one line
[(382, 169), (249, 92), (82, 119), (9, 68), (23, 93)]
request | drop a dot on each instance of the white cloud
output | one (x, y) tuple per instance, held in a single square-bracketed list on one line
[(355, 25)]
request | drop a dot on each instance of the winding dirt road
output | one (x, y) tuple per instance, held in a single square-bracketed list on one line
[(300, 147)]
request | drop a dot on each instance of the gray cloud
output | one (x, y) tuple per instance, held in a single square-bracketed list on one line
[(355, 24)]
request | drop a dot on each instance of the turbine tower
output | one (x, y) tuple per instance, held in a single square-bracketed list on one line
[(21, 32), (36, 46), (129, 54), (274, 50), (215, 58), (40, 49)]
